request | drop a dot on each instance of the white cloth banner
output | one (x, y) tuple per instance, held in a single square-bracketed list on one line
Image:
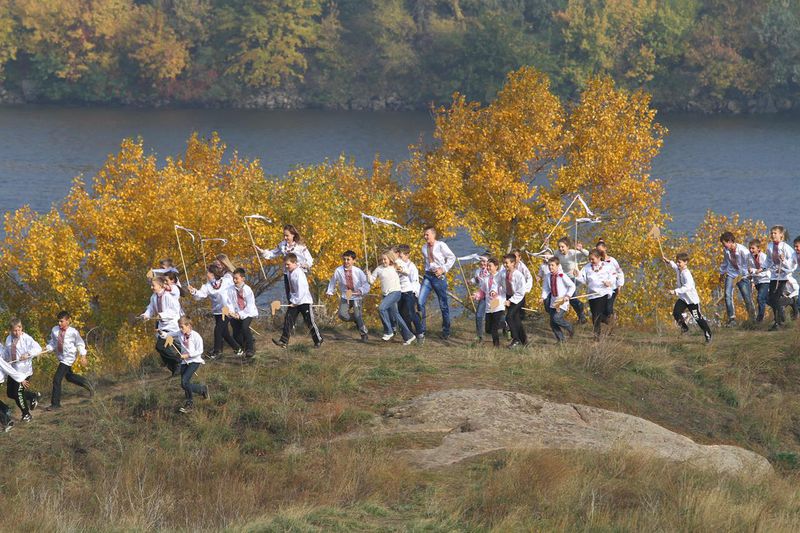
[(376, 220), (187, 230), (260, 217), (470, 257)]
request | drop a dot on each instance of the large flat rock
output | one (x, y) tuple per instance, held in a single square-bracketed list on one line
[(478, 421)]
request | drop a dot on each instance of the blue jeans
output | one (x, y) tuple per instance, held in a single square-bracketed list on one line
[(480, 317), (187, 371), (744, 290), (431, 283), (762, 294), (390, 313), (350, 310)]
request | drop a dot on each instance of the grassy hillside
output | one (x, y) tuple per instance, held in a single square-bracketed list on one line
[(261, 454)]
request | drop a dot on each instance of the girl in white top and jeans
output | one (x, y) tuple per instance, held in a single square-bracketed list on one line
[(389, 279)]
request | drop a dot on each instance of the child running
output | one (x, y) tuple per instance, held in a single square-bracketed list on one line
[(6, 370), (67, 343), (216, 289), (20, 349), (492, 291), (166, 310), (351, 284), (598, 276), (191, 359), (687, 296), (241, 307), (409, 290), (386, 274), (735, 258), (759, 276), (557, 290), (300, 302), (781, 262), (570, 260)]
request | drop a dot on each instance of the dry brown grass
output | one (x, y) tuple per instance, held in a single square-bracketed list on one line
[(262, 456)]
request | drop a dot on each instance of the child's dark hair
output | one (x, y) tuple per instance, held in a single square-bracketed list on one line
[(754, 242), (601, 242), (216, 269), (727, 237), (683, 257), (242, 272), (494, 261), (510, 257), (432, 228), (293, 230), (172, 276), (554, 260), (350, 253), (63, 314), (594, 252), (166, 263), (796, 240), (566, 241), (403, 249), (291, 258)]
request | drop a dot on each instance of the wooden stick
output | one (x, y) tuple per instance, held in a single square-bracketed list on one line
[(255, 249), (366, 256), (180, 249), (203, 252), (466, 285)]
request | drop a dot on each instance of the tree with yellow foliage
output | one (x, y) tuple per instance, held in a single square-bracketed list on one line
[(507, 171)]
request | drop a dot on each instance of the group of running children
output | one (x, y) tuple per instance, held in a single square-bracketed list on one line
[(499, 286)]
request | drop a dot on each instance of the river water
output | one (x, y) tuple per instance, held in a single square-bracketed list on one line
[(750, 165)]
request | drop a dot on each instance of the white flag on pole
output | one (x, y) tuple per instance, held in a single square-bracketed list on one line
[(588, 211), (259, 217), (223, 241), (470, 257), (187, 230), (376, 220)]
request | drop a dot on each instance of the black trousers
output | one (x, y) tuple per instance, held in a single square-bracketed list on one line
[(610, 304), (577, 305), (599, 309), (65, 371), (243, 335), (514, 321), (308, 318), (5, 414), (409, 312), (775, 294), (494, 322), (677, 314), (222, 332), (170, 355), (21, 397)]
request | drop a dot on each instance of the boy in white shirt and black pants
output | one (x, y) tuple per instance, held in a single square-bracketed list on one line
[(687, 296), (557, 289), (166, 309), (6, 370), (19, 349), (515, 293), (352, 284), (67, 343), (241, 307), (300, 302), (409, 289)]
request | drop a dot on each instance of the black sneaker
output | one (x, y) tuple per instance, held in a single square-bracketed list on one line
[(707, 337), (514, 344), (421, 338), (774, 326), (35, 400), (582, 320), (318, 344), (279, 343), (187, 408), (240, 352), (205, 394), (8, 427), (27, 418), (215, 355), (364, 337)]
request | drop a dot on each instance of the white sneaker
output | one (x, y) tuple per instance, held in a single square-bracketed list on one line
[(387, 337), (409, 341)]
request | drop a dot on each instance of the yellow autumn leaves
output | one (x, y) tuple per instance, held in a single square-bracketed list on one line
[(504, 172)]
